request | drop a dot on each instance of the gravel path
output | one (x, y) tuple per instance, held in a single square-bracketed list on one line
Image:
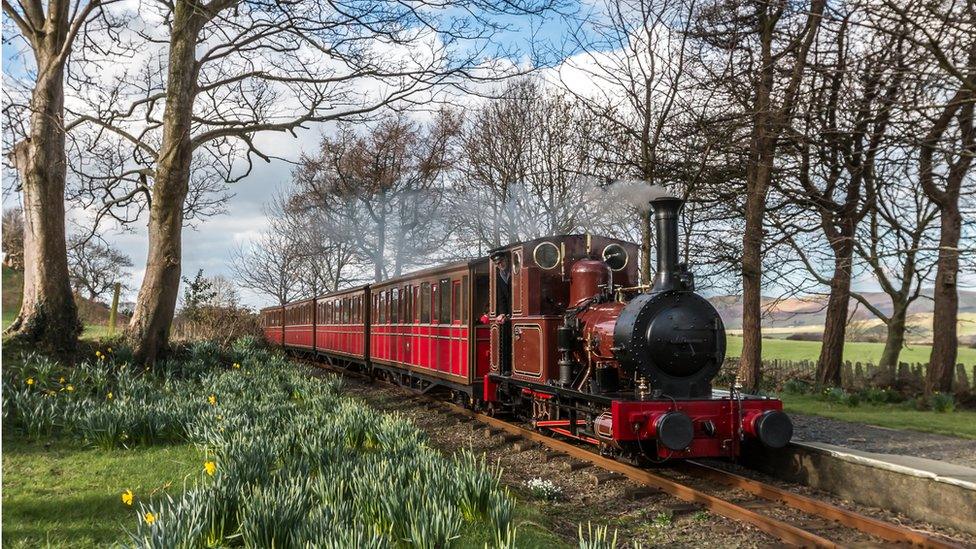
[(869, 438)]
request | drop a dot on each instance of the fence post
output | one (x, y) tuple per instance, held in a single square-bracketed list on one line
[(114, 313)]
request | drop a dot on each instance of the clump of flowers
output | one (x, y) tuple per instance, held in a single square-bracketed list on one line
[(544, 489)]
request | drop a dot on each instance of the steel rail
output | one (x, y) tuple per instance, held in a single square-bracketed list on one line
[(782, 530), (868, 525)]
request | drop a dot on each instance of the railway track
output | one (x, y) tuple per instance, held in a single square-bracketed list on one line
[(813, 523)]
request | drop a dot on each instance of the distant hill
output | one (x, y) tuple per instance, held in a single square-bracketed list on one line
[(810, 310), (785, 317)]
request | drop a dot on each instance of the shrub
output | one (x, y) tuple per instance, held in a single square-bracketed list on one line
[(942, 402), (881, 396), (796, 387), (834, 394)]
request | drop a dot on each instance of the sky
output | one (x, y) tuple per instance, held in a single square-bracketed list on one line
[(210, 245)]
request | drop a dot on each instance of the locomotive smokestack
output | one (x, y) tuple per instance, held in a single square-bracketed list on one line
[(666, 211)]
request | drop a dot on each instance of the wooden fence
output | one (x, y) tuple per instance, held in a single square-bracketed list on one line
[(906, 377)]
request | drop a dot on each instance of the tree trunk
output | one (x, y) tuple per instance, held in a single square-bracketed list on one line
[(945, 340), (48, 314), (835, 325), (750, 367), (148, 331), (895, 338)]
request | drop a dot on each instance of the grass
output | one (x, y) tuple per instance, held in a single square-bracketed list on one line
[(532, 519), (961, 423), (853, 351), (64, 494)]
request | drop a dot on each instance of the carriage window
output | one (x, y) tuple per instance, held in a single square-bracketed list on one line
[(464, 299), (409, 298), (425, 303), (456, 302), (395, 306), (444, 313)]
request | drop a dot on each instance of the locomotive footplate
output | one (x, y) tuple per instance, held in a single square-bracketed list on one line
[(660, 428)]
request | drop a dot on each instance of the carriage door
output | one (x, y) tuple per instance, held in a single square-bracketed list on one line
[(495, 333)]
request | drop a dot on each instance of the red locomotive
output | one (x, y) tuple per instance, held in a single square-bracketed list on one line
[(557, 332)]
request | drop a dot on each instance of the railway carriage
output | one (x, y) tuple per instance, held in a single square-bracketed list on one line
[(341, 324), (594, 354), (428, 323)]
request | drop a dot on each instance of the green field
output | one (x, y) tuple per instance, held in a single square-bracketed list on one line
[(960, 423), (854, 351)]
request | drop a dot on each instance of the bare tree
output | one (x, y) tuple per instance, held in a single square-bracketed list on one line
[(637, 57), (95, 267), (896, 245), (381, 192), (842, 124), (13, 238), (944, 190), (769, 43), (269, 266), (235, 68), (326, 260), (48, 313), (528, 169)]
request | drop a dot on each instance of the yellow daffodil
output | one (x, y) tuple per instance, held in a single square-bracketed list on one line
[(30, 381), (128, 497), (109, 395), (70, 388), (212, 399), (110, 349), (237, 366), (61, 380), (210, 467), (98, 354), (149, 518)]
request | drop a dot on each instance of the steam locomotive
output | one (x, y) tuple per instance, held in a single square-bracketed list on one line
[(589, 353)]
